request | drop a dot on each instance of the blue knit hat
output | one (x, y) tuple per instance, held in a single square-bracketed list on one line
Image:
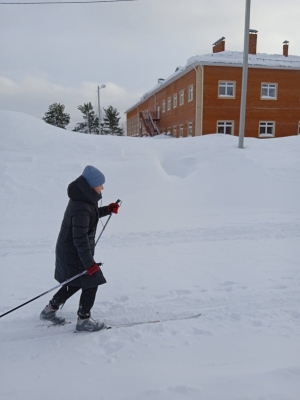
[(93, 176)]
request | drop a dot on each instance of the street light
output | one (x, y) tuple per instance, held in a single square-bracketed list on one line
[(101, 87)]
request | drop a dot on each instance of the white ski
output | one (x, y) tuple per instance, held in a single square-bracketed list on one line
[(152, 321)]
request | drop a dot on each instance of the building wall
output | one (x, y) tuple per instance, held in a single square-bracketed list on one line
[(220, 109), (182, 114), (176, 116), (284, 111)]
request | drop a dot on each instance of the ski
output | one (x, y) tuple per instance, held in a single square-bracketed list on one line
[(194, 316), (53, 325), (130, 324)]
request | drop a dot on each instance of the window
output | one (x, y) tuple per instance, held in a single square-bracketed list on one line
[(269, 91), (191, 89), (181, 131), (266, 129), (169, 104), (190, 129), (163, 106), (175, 131), (181, 97), (225, 127), (175, 100), (299, 128), (226, 89)]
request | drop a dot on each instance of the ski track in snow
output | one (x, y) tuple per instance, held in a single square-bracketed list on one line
[(258, 231), (228, 304), (25, 247), (233, 232)]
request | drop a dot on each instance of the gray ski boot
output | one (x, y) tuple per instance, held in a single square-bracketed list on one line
[(49, 314), (89, 325)]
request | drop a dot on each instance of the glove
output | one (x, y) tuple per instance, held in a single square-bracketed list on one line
[(113, 208), (93, 269)]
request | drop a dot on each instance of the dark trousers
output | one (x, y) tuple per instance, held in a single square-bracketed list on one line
[(86, 301)]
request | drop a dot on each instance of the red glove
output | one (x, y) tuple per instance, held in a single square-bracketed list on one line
[(93, 269), (113, 208)]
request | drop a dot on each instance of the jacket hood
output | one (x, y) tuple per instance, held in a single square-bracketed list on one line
[(80, 190)]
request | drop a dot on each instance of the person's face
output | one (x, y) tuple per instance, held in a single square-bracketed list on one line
[(99, 189)]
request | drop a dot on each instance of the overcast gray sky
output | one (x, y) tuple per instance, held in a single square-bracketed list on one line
[(60, 53)]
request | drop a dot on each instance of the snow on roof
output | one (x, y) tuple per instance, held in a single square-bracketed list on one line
[(236, 57), (262, 60)]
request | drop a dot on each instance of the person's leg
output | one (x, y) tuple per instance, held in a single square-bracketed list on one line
[(86, 302), (85, 323), (64, 293), (49, 312)]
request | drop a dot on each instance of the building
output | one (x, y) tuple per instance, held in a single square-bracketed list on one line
[(204, 96)]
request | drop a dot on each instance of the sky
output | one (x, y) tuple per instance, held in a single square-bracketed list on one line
[(61, 53)]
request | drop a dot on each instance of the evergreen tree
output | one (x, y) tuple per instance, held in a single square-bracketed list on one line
[(90, 122), (56, 116), (111, 122)]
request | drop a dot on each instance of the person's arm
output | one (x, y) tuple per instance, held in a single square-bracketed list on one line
[(111, 208), (103, 211)]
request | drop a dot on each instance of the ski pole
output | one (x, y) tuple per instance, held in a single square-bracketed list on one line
[(48, 291), (118, 202), (65, 282)]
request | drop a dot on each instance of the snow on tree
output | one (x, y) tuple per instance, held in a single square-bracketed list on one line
[(90, 122), (56, 116), (111, 124)]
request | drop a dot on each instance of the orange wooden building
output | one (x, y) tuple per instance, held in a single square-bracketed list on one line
[(204, 96)]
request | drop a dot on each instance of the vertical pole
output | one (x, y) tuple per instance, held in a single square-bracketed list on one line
[(245, 76), (99, 111)]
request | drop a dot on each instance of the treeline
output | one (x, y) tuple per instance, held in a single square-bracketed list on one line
[(90, 124)]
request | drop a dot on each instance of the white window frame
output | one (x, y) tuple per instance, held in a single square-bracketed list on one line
[(175, 100), (169, 103), (227, 85), (163, 106), (190, 93), (267, 87), (225, 124), (190, 129), (181, 131), (266, 125), (181, 97), (175, 131)]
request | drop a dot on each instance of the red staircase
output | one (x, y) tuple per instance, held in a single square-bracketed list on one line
[(148, 119)]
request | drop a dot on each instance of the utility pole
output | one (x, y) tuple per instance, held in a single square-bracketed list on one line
[(245, 76), (99, 111)]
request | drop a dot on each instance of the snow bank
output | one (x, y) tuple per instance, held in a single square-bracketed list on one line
[(204, 227)]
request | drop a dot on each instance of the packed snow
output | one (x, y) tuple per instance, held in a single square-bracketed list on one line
[(204, 227)]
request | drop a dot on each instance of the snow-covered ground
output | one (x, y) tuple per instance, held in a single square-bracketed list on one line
[(204, 228)]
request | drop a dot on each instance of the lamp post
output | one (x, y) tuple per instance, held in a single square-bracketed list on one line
[(245, 76), (101, 87)]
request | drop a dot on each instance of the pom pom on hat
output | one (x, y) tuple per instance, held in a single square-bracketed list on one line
[(93, 176)]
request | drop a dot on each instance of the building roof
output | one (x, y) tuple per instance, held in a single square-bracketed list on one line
[(227, 58), (258, 60)]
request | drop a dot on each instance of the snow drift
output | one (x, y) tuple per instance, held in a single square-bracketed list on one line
[(204, 227)]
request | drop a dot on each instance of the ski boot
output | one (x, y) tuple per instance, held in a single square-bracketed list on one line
[(89, 325), (49, 314)]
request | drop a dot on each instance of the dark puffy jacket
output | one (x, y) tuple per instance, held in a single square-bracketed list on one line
[(76, 240)]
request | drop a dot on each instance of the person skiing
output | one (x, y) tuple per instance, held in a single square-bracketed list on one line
[(75, 250)]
